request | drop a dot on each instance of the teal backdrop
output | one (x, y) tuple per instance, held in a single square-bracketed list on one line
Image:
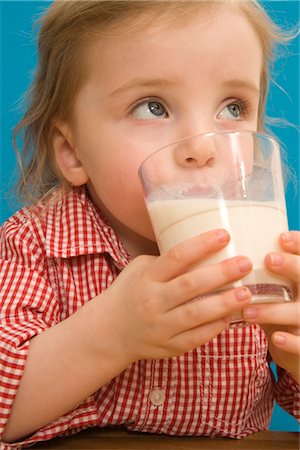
[(18, 59)]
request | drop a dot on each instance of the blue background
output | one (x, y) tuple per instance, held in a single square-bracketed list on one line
[(18, 59)]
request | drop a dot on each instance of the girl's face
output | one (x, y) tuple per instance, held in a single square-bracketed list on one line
[(148, 88)]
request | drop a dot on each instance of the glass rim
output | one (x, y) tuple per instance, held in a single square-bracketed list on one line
[(259, 134)]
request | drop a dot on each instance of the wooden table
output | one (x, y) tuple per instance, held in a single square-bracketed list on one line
[(120, 439)]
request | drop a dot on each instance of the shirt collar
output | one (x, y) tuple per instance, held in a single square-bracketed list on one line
[(75, 227)]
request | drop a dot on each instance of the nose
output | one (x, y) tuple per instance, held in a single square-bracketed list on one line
[(196, 152)]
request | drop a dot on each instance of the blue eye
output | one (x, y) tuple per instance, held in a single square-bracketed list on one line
[(234, 111), (149, 110)]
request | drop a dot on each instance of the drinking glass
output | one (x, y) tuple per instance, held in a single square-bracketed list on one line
[(230, 180)]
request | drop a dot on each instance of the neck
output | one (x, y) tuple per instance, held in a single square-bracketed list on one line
[(137, 245)]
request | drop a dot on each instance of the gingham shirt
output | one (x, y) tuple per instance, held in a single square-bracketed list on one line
[(54, 259)]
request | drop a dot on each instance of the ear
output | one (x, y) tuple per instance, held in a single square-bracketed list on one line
[(66, 157)]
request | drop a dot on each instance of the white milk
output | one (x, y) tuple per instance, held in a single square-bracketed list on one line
[(254, 228)]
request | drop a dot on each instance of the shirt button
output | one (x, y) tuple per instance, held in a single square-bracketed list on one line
[(157, 396)]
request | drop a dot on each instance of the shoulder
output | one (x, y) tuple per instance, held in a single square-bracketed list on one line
[(26, 220), (26, 231), (31, 222), (22, 236)]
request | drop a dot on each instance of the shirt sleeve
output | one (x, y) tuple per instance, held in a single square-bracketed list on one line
[(28, 306), (287, 393)]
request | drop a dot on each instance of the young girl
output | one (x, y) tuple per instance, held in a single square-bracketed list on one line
[(96, 327)]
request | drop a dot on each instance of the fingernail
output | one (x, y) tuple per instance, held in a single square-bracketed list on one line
[(276, 259), (250, 313), (279, 339), (222, 236), (286, 237), (244, 264), (242, 294)]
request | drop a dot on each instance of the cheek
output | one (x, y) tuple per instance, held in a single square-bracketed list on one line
[(117, 185), (121, 175), (125, 202), (113, 174)]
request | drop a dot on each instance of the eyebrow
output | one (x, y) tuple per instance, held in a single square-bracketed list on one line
[(142, 83), (160, 82), (244, 84)]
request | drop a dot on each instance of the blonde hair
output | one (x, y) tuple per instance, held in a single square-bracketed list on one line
[(65, 29)]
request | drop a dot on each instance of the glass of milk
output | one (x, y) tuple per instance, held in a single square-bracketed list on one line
[(230, 180)]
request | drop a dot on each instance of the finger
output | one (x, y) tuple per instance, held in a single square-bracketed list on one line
[(205, 279), (284, 264), (290, 242), (215, 307), (287, 342), (178, 259), (196, 337), (276, 313)]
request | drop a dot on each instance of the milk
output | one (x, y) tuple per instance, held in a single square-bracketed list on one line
[(254, 228)]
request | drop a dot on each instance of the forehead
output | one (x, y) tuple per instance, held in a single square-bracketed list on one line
[(212, 41)]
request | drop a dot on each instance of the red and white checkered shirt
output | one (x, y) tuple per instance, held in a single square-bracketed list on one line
[(56, 258)]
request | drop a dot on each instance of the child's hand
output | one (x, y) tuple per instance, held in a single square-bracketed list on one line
[(149, 302), (281, 321)]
